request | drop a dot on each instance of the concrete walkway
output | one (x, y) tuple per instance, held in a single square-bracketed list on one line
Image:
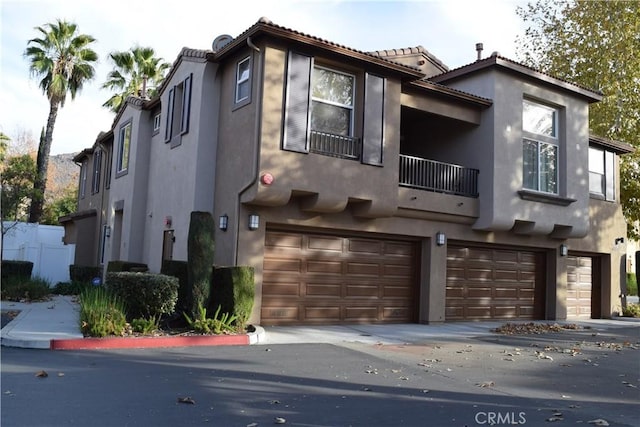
[(39, 323)]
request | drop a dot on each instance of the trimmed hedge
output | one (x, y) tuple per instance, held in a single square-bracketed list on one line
[(13, 268), (200, 252), (233, 290), (84, 273), (632, 284), (137, 267), (178, 269), (145, 294)]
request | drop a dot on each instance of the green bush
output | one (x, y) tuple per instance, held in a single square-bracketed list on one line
[(70, 288), (179, 270), (220, 323), (632, 284), (147, 295), (84, 273), (17, 288), (117, 266), (101, 313), (200, 252), (632, 310), (13, 268), (145, 326), (233, 291)]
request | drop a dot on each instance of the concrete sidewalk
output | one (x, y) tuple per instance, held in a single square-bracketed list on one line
[(40, 324)]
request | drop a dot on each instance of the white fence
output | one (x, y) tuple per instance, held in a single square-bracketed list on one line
[(42, 245)]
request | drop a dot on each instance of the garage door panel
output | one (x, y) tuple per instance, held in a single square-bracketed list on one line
[(368, 269), (281, 288), (579, 287), (366, 291), (365, 247), (325, 244), (323, 289), (487, 282), (322, 313), (338, 279), (324, 267)]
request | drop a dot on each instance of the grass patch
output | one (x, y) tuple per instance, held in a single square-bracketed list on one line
[(632, 310), (18, 288), (101, 313)]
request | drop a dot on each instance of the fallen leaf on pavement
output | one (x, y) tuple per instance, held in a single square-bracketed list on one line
[(187, 400), (279, 420), (599, 422), (61, 374), (41, 374), (486, 384), (274, 402), (554, 418), (252, 425)]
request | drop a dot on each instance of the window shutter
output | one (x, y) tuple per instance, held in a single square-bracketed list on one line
[(186, 105), (296, 121), (609, 170), (167, 128), (373, 132)]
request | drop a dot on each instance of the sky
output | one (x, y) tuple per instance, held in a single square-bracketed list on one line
[(449, 29)]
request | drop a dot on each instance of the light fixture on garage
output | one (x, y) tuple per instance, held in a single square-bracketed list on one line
[(223, 222), (441, 239), (619, 240), (254, 222), (564, 250)]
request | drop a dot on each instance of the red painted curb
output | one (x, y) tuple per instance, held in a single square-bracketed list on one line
[(148, 342)]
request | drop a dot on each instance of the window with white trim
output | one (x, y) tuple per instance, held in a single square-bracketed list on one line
[(83, 178), (540, 147), (97, 169), (602, 173), (124, 144), (156, 123), (243, 80), (332, 95)]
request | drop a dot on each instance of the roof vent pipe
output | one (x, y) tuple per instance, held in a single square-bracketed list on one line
[(479, 48)]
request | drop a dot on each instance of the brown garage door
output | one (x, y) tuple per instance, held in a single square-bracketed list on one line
[(320, 279), (579, 287), (494, 283)]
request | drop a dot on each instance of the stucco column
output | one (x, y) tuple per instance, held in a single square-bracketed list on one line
[(433, 280), (556, 286)]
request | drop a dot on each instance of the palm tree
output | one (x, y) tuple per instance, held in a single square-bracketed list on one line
[(137, 72), (64, 60)]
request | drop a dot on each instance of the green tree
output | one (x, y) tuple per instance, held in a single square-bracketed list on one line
[(137, 72), (595, 44), (17, 187), (61, 206), (63, 60)]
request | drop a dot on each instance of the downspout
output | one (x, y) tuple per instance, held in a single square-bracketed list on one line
[(256, 157)]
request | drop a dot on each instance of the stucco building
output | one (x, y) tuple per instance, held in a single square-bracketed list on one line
[(365, 186)]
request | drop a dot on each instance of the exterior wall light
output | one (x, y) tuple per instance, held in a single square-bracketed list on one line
[(441, 239), (254, 222), (223, 222), (107, 231), (564, 250), (619, 240)]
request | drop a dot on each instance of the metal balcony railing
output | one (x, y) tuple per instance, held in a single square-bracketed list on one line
[(416, 172), (344, 147)]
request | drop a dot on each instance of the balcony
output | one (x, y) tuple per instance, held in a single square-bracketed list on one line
[(431, 175), (327, 144)]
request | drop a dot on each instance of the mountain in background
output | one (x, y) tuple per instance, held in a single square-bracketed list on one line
[(62, 175)]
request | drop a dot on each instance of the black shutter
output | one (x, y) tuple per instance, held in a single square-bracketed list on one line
[(296, 119), (167, 129), (373, 132), (186, 105)]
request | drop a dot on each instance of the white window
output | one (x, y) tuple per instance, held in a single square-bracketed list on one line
[(540, 147), (156, 123), (83, 179), (332, 95), (97, 168), (601, 173), (124, 143), (243, 80)]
